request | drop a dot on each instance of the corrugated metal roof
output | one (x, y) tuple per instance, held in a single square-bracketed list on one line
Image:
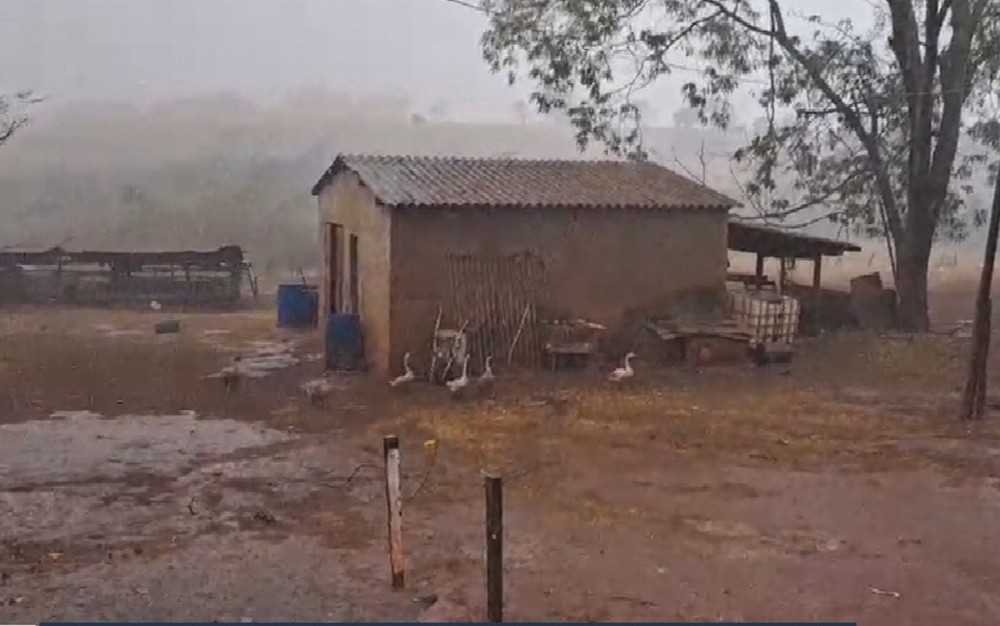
[(408, 181), (771, 241)]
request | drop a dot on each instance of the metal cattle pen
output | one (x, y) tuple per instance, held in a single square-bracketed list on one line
[(191, 278)]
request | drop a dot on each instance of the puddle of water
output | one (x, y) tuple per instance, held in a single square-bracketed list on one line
[(111, 331), (78, 445), (72, 415), (262, 365), (85, 476), (724, 529), (125, 333), (264, 358)]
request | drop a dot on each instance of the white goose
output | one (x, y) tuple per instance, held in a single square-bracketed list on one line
[(460, 383), (317, 390), (621, 373), (407, 375), (488, 376), (231, 375)]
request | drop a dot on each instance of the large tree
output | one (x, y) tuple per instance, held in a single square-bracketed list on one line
[(864, 119)]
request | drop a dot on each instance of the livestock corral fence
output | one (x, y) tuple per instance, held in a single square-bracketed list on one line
[(215, 278)]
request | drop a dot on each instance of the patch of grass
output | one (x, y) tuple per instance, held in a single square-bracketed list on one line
[(488, 433), (767, 419)]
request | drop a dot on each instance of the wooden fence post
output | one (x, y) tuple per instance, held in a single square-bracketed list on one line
[(974, 398), (494, 548), (394, 504)]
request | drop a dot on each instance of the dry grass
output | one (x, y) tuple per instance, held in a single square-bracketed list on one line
[(849, 400), (856, 403)]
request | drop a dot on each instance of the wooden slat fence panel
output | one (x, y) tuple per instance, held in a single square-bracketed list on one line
[(494, 294)]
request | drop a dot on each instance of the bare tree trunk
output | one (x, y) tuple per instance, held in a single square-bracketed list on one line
[(974, 399), (911, 284)]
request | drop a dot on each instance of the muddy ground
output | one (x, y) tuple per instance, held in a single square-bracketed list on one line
[(132, 487)]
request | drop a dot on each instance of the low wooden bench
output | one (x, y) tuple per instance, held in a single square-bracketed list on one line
[(571, 352)]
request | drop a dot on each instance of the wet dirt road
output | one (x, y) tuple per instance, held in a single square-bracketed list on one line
[(178, 517)]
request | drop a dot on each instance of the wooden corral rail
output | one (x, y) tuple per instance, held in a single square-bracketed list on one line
[(226, 255)]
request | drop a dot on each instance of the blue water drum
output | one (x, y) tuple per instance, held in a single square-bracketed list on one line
[(298, 306), (345, 348)]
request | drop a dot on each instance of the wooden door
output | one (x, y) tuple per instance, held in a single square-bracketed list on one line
[(355, 304), (334, 235)]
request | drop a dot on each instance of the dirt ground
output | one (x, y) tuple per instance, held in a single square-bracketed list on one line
[(132, 487)]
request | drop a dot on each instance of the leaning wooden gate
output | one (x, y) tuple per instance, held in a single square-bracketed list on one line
[(496, 298)]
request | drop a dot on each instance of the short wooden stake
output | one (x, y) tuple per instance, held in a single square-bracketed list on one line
[(394, 503), (494, 548)]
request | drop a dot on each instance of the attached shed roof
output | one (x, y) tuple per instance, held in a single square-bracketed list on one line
[(774, 242), (407, 181)]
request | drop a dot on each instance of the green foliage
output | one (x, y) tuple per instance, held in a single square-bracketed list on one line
[(841, 117)]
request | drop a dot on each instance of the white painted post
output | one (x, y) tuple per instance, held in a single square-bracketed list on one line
[(394, 504)]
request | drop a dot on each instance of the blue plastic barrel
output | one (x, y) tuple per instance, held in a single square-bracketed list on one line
[(297, 306), (344, 342)]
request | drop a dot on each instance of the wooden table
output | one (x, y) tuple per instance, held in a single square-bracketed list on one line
[(568, 351)]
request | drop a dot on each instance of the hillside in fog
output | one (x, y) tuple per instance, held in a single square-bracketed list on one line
[(199, 173), (203, 172)]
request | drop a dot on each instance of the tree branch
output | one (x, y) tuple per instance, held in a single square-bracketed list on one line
[(956, 81), (814, 220), (7, 130), (851, 117), (816, 112), (701, 159), (932, 32), (943, 13), (905, 45), (810, 202)]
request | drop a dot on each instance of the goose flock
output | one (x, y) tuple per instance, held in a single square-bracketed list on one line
[(319, 389)]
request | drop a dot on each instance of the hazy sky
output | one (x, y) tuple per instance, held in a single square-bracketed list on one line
[(136, 49), (142, 49)]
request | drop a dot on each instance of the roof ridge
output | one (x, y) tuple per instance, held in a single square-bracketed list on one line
[(438, 180), (378, 156)]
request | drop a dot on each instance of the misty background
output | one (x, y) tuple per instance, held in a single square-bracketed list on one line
[(192, 124)]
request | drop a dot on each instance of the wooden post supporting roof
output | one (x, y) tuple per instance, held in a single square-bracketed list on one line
[(817, 275)]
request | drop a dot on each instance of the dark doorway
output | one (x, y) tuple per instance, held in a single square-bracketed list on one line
[(353, 267), (334, 236)]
